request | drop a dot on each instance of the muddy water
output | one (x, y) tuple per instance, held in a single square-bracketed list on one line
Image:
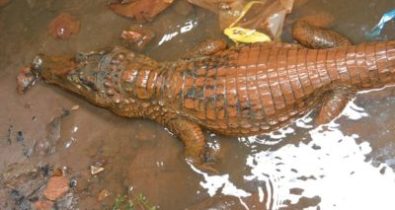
[(347, 164)]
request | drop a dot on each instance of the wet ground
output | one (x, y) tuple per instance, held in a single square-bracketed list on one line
[(347, 164)]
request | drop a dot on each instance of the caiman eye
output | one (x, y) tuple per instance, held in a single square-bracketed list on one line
[(88, 82)]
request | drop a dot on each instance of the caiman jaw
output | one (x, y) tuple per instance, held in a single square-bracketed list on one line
[(72, 73), (55, 69)]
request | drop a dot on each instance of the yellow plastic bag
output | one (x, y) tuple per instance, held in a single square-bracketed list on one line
[(249, 21), (245, 35)]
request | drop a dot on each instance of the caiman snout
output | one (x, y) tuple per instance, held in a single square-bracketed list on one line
[(67, 71), (80, 74), (53, 67)]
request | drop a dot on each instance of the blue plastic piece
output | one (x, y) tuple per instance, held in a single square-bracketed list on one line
[(376, 31)]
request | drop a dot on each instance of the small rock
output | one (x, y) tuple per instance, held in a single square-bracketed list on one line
[(74, 108), (96, 170), (64, 26), (57, 172), (42, 147), (103, 195), (73, 183), (57, 187), (69, 201), (20, 200), (25, 80), (43, 205), (20, 137)]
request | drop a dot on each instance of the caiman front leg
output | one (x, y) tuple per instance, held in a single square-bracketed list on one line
[(194, 141), (334, 103)]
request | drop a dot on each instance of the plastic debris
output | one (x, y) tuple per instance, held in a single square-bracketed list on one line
[(240, 34), (96, 170), (250, 21), (376, 31)]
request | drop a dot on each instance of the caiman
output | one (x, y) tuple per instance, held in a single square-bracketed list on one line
[(241, 91)]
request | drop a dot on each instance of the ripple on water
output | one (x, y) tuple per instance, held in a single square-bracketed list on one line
[(331, 171)]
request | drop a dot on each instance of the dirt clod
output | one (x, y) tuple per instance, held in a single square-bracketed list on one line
[(57, 187), (64, 26), (25, 80), (43, 205), (103, 195)]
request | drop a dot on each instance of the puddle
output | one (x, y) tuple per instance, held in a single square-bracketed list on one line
[(347, 164)]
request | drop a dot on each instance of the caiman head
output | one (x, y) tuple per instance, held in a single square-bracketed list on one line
[(118, 79)]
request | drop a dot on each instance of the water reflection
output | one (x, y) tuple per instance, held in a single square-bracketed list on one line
[(72, 139), (329, 170), (187, 26)]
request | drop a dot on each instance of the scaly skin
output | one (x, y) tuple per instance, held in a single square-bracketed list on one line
[(316, 37), (236, 92)]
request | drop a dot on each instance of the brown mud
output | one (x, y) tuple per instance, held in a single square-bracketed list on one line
[(347, 164)]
